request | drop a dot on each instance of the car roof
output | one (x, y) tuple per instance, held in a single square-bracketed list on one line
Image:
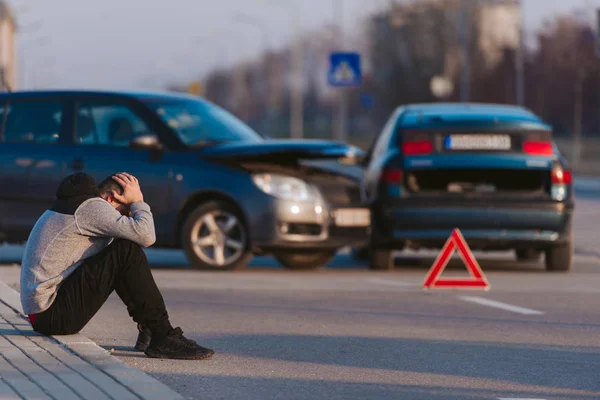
[(140, 95), (438, 114)]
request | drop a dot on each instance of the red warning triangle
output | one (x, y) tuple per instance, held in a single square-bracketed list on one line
[(477, 280)]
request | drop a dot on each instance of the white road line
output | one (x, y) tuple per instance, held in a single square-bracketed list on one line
[(516, 398), (587, 257), (387, 282), (496, 304)]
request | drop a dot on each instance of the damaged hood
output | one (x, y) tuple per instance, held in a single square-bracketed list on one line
[(283, 152)]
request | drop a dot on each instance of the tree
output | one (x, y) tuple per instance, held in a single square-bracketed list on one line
[(566, 76)]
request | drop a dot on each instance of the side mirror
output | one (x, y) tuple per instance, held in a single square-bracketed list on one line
[(146, 141)]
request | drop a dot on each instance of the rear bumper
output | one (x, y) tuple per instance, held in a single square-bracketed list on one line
[(477, 239), (493, 227)]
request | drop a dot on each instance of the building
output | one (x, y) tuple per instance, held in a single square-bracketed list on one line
[(8, 62), (427, 39)]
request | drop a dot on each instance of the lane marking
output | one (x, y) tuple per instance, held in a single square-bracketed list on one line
[(586, 255), (503, 306), (516, 398), (380, 281)]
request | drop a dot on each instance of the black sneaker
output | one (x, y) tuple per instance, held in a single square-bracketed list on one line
[(177, 347), (145, 335), (143, 339)]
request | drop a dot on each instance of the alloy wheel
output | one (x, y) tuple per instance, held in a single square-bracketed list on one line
[(218, 238)]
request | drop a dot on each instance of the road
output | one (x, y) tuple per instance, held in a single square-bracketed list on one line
[(348, 333)]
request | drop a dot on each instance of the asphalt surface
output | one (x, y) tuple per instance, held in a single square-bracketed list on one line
[(347, 333)]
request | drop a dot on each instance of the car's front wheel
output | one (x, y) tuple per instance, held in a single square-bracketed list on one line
[(215, 237), (305, 260), (360, 253), (381, 259)]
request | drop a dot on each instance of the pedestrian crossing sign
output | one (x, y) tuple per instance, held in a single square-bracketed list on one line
[(344, 69)]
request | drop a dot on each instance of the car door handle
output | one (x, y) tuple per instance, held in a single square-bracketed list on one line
[(77, 165)]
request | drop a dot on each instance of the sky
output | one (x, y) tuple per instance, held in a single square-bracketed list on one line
[(133, 44)]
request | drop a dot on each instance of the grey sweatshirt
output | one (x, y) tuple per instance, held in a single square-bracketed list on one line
[(59, 243)]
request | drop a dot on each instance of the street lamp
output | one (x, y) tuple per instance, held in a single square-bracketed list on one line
[(46, 65), (27, 46), (33, 27), (258, 23), (296, 89), (28, 29), (232, 38), (210, 37), (338, 13), (255, 22), (465, 27), (519, 59)]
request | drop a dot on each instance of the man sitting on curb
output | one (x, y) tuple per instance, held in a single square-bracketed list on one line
[(87, 245)]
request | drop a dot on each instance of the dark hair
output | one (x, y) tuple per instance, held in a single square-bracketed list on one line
[(110, 185), (79, 184)]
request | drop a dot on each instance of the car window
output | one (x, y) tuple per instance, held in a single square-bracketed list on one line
[(33, 122), (200, 123), (107, 125)]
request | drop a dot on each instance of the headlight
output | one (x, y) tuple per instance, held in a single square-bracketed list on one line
[(283, 187)]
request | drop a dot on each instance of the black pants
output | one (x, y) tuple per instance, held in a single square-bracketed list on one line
[(122, 267)]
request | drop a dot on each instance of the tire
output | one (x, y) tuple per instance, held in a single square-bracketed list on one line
[(199, 227), (381, 260), (360, 253), (560, 258), (528, 254), (306, 260)]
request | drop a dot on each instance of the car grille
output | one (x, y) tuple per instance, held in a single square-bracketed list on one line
[(340, 195), (301, 229)]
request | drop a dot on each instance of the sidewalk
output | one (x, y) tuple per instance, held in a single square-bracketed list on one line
[(33, 366)]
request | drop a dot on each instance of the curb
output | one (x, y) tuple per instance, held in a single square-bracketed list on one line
[(586, 184), (140, 383)]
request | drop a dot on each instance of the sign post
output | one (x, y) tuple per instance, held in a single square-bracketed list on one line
[(344, 71)]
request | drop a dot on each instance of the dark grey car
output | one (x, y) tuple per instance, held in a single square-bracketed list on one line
[(218, 189)]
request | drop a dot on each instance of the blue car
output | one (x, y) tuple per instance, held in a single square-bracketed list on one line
[(218, 190), (493, 171)]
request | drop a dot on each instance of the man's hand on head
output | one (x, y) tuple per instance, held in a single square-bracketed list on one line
[(131, 189)]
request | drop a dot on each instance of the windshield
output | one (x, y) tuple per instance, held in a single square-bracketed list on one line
[(200, 123)]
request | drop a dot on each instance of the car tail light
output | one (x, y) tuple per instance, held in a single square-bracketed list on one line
[(561, 177), (537, 148), (393, 176), (420, 147)]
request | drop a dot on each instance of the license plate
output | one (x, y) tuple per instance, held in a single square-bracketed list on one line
[(352, 217), (478, 142)]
